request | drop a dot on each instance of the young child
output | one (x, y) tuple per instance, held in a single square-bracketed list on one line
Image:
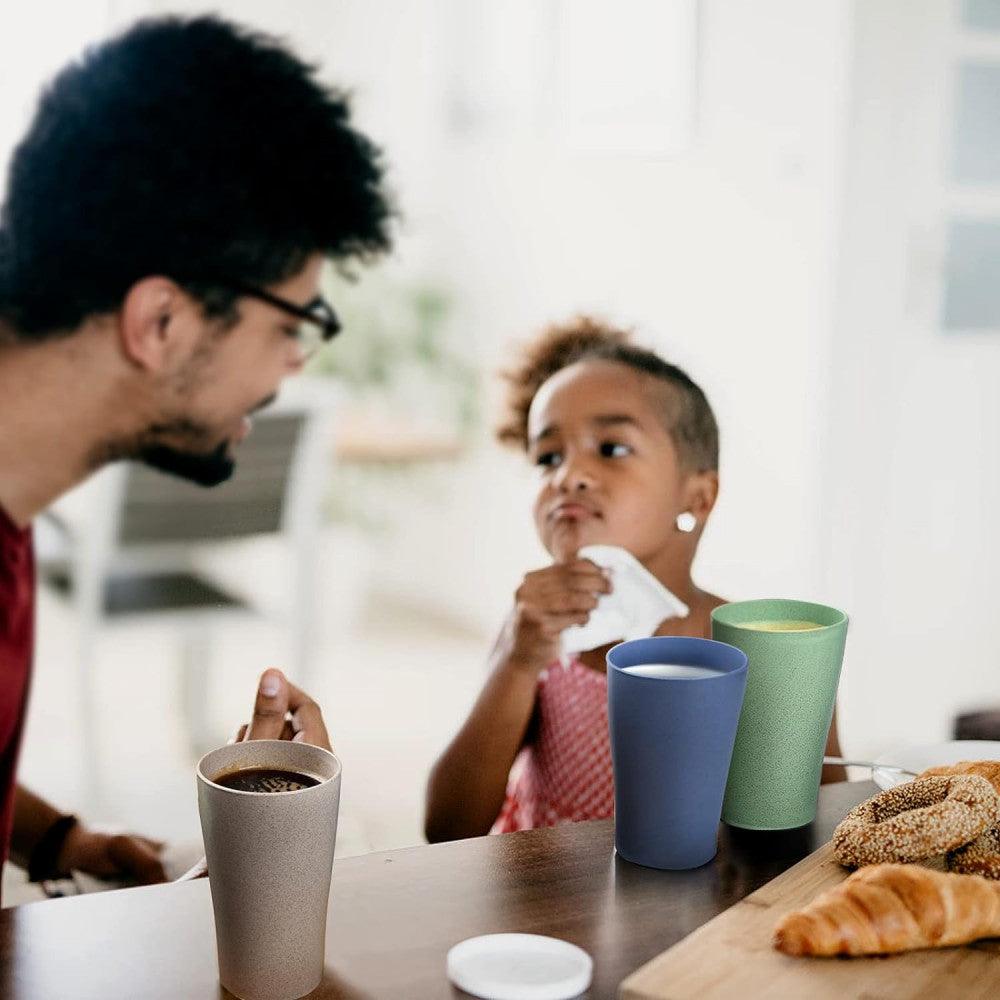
[(627, 451)]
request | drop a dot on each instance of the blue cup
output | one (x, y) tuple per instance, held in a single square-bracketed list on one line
[(671, 743)]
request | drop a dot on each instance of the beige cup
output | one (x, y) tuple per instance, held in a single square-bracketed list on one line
[(270, 857)]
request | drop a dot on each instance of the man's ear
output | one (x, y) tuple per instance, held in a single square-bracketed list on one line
[(700, 492), (156, 324)]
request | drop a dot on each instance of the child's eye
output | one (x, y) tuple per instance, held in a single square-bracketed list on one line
[(612, 449), (549, 459)]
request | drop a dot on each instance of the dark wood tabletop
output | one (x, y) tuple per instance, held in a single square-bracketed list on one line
[(394, 915)]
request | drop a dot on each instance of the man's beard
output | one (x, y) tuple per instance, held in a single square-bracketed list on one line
[(204, 468)]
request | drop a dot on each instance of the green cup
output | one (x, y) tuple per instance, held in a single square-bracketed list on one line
[(791, 691)]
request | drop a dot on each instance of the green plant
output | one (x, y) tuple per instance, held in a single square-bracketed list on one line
[(398, 360), (397, 346)]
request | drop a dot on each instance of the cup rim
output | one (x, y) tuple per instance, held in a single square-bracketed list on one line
[(719, 673), (338, 765), (718, 615)]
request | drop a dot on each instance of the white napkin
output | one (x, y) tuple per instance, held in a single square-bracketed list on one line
[(634, 608)]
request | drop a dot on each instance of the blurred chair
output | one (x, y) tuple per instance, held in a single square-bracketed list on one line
[(983, 724), (128, 545)]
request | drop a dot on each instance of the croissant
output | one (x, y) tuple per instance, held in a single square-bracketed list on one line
[(888, 908)]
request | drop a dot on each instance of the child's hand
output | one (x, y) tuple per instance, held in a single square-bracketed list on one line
[(548, 601)]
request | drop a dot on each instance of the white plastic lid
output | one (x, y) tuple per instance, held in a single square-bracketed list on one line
[(520, 967)]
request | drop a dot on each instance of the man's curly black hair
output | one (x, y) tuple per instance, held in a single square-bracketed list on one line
[(189, 148)]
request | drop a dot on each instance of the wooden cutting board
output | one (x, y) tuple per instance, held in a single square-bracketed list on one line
[(732, 957)]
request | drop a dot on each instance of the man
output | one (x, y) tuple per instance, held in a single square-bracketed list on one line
[(161, 239)]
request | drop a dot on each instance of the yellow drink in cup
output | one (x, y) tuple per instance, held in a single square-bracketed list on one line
[(783, 626)]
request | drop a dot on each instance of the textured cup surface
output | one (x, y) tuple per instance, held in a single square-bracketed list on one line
[(270, 857), (671, 742), (791, 690)]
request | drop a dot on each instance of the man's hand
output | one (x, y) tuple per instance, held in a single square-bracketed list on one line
[(282, 712), (106, 855)]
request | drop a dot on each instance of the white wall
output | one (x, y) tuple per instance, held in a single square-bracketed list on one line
[(35, 42), (913, 477)]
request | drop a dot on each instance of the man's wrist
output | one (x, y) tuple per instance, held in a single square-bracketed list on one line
[(44, 860)]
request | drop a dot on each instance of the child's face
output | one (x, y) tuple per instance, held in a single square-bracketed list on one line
[(608, 469)]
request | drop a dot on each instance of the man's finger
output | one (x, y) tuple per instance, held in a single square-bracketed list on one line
[(241, 735), (307, 719), (131, 855), (309, 727), (270, 707)]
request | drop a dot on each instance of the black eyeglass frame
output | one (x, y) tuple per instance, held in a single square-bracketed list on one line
[(327, 320)]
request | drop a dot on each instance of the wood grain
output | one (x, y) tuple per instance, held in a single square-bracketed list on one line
[(393, 916), (732, 956)]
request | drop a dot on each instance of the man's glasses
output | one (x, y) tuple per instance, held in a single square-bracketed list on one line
[(319, 323)]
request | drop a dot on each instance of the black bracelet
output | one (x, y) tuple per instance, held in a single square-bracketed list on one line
[(44, 861)]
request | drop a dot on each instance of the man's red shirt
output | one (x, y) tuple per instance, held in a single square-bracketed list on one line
[(17, 628)]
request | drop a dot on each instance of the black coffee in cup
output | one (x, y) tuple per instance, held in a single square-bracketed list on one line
[(265, 779)]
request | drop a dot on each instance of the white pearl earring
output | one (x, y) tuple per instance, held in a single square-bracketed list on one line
[(686, 522)]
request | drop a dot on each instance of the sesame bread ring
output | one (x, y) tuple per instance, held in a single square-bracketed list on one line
[(988, 769), (981, 857), (917, 820)]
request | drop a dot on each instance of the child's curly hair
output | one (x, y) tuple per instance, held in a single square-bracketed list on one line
[(687, 414)]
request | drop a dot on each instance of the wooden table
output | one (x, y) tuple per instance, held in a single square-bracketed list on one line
[(393, 916)]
